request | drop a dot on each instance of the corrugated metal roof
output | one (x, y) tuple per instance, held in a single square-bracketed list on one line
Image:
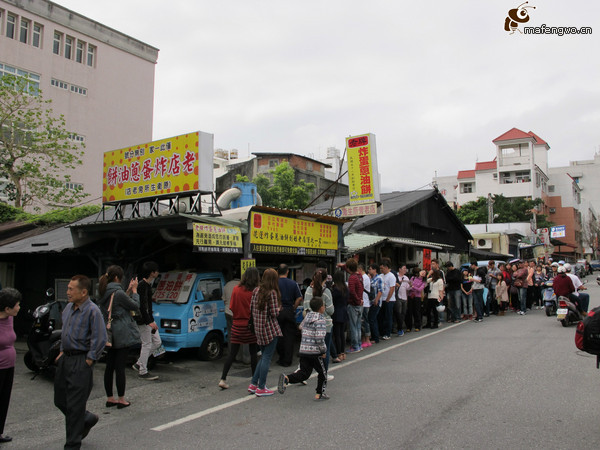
[(357, 242)]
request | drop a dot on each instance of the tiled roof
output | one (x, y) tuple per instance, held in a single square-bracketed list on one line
[(485, 165), (539, 140), (466, 174), (513, 133)]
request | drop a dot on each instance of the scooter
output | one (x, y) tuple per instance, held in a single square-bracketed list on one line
[(43, 340), (549, 298), (598, 280), (567, 313)]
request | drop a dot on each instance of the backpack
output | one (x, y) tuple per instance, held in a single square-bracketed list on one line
[(370, 292), (587, 335)]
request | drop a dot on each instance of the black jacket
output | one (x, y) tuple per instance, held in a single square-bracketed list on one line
[(145, 292)]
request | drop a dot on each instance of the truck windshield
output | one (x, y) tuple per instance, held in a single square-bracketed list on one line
[(210, 289)]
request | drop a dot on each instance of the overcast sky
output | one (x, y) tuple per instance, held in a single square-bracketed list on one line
[(435, 81)]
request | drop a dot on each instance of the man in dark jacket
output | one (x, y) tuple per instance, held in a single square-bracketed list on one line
[(453, 293), (290, 299), (148, 328)]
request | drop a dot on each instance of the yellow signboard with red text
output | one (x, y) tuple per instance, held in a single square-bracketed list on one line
[(277, 234), (167, 167), (363, 183)]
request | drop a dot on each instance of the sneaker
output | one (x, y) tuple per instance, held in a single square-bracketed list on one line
[(252, 389), (385, 338), (417, 329), (223, 384), (282, 384), (400, 333), (264, 392), (480, 320), (136, 367), (353, 350), (149, 377), (322, 396), (330, 377), (304, 382)]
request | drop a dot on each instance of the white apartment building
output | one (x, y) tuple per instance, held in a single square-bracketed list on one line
[(519, 169), (100, 79)]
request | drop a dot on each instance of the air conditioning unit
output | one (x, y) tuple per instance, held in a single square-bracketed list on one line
[(484, 244)]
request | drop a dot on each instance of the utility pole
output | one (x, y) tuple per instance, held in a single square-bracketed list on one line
[(490, 208)]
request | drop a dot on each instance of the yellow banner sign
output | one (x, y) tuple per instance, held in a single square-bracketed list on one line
[(246, 263), (276, 234), (362, 168), (217, 238), (160, 168)]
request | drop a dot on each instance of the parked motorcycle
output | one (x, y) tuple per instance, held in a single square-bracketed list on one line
[(43, 340), (598, 280), (549, 297), (567, 313)]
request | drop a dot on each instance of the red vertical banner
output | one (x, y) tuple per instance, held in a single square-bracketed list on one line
[(426, 259)]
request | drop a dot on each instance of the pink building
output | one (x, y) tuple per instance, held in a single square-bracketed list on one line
[(100, 79)]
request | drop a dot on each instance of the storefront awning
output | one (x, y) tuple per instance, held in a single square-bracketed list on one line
[(357, 242)]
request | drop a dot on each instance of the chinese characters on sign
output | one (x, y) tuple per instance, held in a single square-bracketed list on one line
[(362, 169), (217, 239), (174, 287), (245, 263), (160, 168), (285, 235), (360, 210), (558, 231), (426, 259)]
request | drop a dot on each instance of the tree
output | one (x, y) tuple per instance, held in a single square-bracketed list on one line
[(35, 150), (590, 233), (506, 210), (284, 192)]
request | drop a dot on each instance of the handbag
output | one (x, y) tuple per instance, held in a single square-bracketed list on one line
[(109, 323)]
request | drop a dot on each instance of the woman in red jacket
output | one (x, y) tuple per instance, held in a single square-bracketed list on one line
[(240, 334)]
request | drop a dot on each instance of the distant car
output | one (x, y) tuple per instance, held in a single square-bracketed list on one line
[(482, 263), (595, 264)]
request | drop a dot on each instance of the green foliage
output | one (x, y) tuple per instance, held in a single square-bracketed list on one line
[(56, 217), (8, 213), (67, 215), (35, 150), (507, 210), (242, 179), (284, 192)]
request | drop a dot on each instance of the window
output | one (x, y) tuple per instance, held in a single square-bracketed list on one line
[(68, 47), (74, 186), (78, 90), (33, 80), (552, 210), (309, 165), (79, 53), (91, 55), (37, 35), (24, 35), (57, 44), (273, 163), (550, 188), (11, 23), (59, 84), (76, 137), (466, 188)]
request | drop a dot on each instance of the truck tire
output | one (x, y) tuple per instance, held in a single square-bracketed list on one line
[(212, 347)]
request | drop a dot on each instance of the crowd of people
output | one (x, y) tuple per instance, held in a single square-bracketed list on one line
[(360, 305)]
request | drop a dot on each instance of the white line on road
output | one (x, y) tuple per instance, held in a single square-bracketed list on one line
[(223, 406)]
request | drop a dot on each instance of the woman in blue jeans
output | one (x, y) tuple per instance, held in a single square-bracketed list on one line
[(265, 306)]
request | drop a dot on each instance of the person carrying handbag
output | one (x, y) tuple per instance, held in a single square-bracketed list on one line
[(125, 332)]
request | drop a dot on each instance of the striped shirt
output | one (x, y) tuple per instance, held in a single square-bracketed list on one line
[(83, 330)]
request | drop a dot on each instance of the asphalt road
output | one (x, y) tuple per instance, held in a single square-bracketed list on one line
[(508, 383)]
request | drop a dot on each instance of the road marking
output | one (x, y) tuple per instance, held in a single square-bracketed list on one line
[(223, 406)]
